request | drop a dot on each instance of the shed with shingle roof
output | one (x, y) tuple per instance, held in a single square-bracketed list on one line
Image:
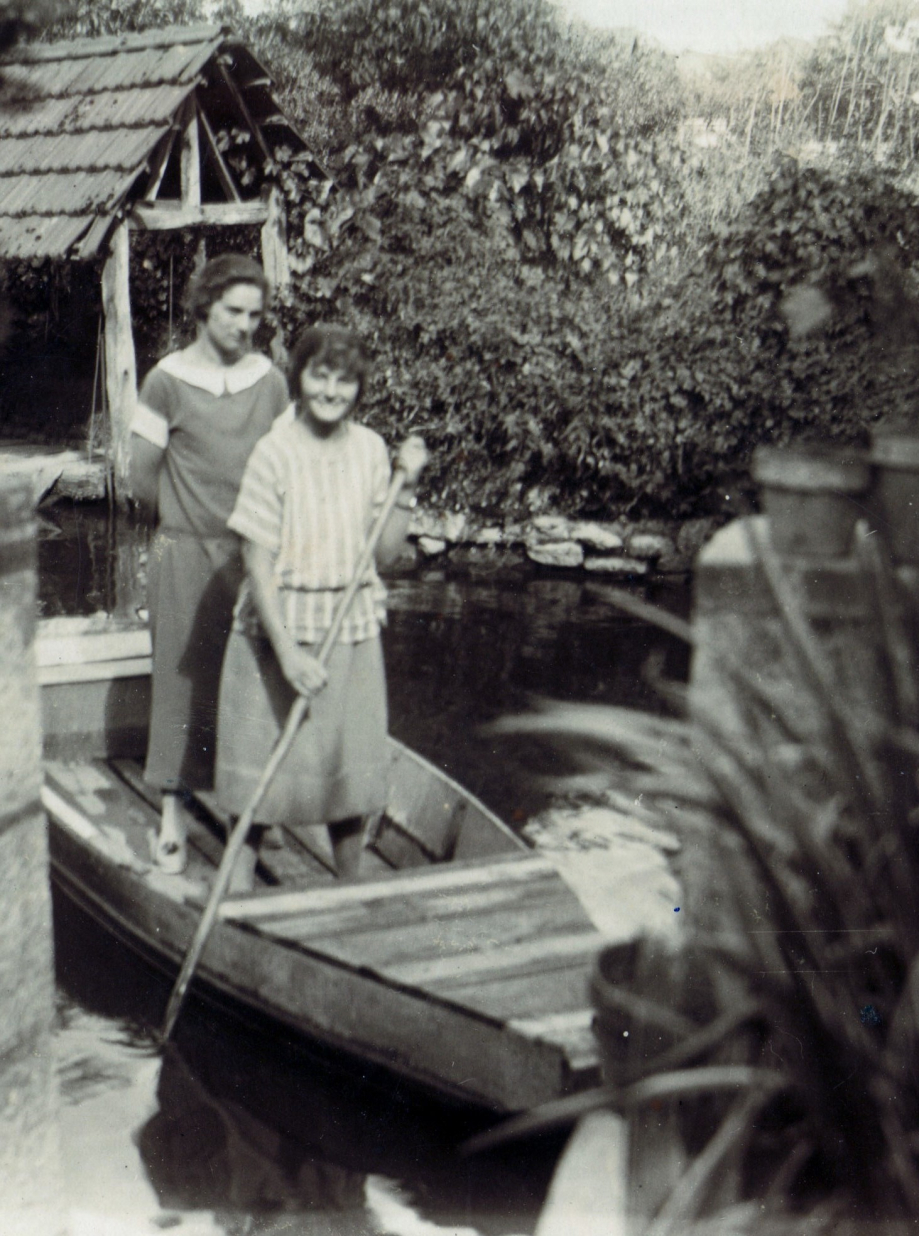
[(110, 134)]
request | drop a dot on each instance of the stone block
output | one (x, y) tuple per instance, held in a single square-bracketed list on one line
[(431, 546), (556, 553), (439, 525), (26, 967), (649, 545), (606, 538), (604, 564), (490, 535), (549, 529), (29, 1140)]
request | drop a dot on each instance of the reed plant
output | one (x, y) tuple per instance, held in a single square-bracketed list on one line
[(798, 984)]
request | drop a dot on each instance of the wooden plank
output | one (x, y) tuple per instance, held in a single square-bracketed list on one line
[(439, 941), (420, 912), (398, 847), (295, 863), (275, 258), (98, 671), (159, 164), (243, 106), (190, 155), (512, 868), (271, 866), (120, 362), (160, 216), (223, 172), (93, 790), (576, 945), (81, 648), (558, 987)]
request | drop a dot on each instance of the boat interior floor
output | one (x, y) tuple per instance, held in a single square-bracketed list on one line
[(114, 796)]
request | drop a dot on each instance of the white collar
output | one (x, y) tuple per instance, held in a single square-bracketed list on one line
[(217, 379)]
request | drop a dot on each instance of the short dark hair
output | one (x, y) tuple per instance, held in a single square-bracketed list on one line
[(336, 346), (217, 275)]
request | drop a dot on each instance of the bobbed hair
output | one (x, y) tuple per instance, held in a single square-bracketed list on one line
[(219, 274), (339, 347)]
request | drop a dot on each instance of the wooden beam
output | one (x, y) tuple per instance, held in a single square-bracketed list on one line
[(244, 108), (158, 169), (226, 180), (120, 364), (450, 876), (162, 216), (191, 155), (274, 242)]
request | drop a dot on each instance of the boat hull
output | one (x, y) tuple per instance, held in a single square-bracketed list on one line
[(433, 971)]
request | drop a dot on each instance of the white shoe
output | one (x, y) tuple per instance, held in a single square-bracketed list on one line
[(171, 850)]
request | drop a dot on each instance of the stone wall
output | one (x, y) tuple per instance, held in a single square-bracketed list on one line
[(617, 548), (29, 1152)]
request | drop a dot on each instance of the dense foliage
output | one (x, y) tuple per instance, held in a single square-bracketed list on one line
[(576, 306)]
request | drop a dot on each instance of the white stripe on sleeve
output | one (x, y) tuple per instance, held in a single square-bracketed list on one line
[(150, 425)]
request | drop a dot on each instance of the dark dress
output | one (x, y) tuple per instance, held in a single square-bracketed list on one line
[(208, 419)]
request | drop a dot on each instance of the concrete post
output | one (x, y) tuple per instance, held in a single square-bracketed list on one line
[(735, 617), (30, 1199)]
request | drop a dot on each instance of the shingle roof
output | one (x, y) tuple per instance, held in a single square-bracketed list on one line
[(89, 114)]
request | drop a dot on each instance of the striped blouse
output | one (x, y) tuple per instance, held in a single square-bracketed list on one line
[(311, 504)]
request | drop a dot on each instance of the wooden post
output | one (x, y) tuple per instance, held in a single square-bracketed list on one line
[(190, 164), (30, 1189), (120, 365), (274, 242)]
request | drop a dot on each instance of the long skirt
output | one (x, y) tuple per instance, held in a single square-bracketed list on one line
[(191, 591), (337, 766)]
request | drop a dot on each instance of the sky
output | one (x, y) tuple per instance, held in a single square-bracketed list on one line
[(712, 25)]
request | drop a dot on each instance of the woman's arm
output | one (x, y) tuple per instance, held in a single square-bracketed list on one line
[(146, 461), (302, 670), (412, 457)]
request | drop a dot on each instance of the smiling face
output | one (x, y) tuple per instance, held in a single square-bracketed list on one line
[(327, 394), (232, 321)]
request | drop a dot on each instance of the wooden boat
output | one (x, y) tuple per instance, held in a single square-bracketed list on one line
[(458, 958)]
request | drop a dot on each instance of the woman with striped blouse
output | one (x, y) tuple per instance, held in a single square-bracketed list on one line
[(311, 491)]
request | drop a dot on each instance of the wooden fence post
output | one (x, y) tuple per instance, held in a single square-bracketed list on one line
[(120, 365), (30, 1197)]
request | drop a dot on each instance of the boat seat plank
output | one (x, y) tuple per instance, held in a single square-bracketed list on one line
[(559, 987), (514, 866), (436, 938), (419, 909), (577, 946)]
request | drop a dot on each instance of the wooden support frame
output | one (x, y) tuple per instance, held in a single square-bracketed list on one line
[(244, 108), (159, 164), (167, 216), (120, 361), (274, 242), (191, 155), (223, 172)]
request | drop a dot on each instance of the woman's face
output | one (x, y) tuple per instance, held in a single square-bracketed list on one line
[(232, 321), (327, 394)]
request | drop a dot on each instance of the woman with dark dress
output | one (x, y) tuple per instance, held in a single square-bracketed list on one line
[(200, 412)]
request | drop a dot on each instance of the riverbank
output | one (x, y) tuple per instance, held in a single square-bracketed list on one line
[(618, 548)]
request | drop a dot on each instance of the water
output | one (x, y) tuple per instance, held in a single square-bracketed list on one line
[(240, 1132)]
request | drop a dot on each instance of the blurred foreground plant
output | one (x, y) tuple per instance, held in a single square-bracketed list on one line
[(799, 979)]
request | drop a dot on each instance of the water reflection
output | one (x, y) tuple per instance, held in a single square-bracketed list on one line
[(462, 647), (249, 1125), (464, 651)]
